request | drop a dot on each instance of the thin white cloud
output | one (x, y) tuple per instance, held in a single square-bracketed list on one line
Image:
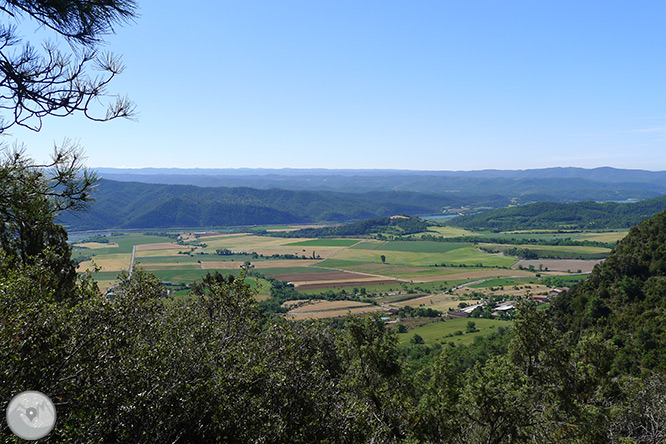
[(656, 129)]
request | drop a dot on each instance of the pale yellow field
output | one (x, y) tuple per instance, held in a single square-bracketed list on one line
[(246, 242), (105, 285), (426, 300), (508, 291), (450, 231), (333, 313), (108, 262), (330, 309), (228, 265), (96, 245), (265, 245), (606, 237), (445, 305)]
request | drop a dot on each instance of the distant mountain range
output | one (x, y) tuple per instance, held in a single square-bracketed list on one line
[(549, 184), (261, 197)]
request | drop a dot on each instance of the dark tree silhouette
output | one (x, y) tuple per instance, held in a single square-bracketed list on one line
[(35, 83)]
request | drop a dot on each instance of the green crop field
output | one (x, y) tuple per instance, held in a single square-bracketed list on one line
[(177, 259), (369, 245), (325, 243), (445, 331), (422, 246), (464, 254), (438, 265)]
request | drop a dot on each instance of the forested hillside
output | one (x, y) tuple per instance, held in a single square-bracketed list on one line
[(554, 216), (625, 299), (138, 205)]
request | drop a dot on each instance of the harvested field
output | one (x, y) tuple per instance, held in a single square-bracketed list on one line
[(564, 265), (425, 300), (105, 284), (445, 305), (329, 309), (109, 262), (508, 291), (96, 245), (612, 236), (159, 246), (228, 265), (451, 231), (334, 313)]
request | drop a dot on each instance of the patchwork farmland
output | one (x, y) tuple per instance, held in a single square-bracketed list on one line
[(387, 275)]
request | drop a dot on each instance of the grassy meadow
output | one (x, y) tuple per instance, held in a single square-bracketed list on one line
[(452, 330)]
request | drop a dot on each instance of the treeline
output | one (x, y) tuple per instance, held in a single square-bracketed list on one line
[(553, 216), (566, 242), (528, 253), (385, 226)]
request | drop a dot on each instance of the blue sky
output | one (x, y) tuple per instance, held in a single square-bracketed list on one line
[(431, 85)]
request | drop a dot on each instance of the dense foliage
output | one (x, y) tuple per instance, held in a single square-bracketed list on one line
[(213, 367), (624, 299), (553, 216)]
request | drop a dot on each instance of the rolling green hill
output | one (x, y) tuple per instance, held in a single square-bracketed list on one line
[(624, 299), (139, 205), (553, 216)]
